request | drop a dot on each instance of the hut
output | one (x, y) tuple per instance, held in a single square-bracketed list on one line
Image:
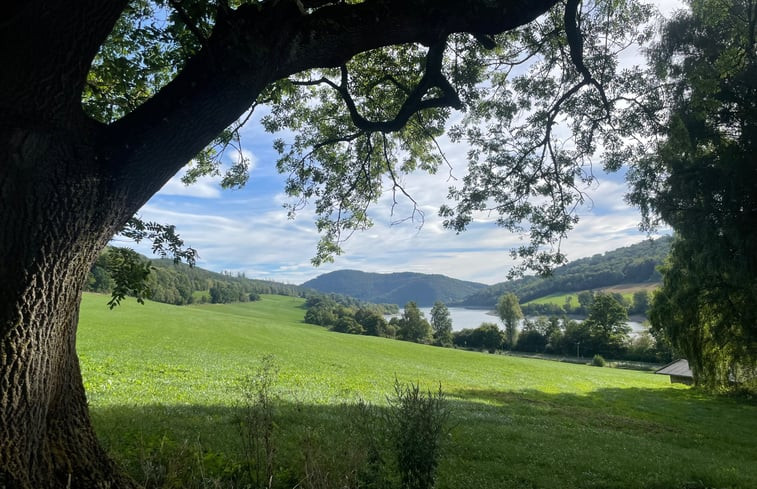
[(679, 372)]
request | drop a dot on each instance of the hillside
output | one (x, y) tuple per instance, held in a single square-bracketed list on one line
[(180, 284), (394, 288), (635, 264)]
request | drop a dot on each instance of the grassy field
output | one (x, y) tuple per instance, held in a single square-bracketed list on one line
[(163, 379), (626, 290)]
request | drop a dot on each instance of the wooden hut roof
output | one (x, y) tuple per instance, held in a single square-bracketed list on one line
[(679, 368)]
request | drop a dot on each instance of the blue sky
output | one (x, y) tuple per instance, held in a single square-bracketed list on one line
[(248, 231)]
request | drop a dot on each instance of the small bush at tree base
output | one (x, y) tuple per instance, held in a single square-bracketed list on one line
[(598, 361), (416, 422)]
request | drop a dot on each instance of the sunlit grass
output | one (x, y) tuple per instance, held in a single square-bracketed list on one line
[(626, 290), (158, 374)]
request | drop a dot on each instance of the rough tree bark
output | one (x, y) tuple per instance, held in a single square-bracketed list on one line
[(67, 183), (53, 225)]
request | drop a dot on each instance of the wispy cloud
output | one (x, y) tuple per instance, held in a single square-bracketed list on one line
[(248, 231), (204, 188)]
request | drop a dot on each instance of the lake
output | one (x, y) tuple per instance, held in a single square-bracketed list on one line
[(463, 318)]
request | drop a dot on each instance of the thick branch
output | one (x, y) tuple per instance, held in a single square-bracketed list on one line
[(415, 102), (576, 43), (46, 49), (379, 23), (254, 46)]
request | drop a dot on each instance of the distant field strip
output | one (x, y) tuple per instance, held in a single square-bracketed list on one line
[(626, 291)]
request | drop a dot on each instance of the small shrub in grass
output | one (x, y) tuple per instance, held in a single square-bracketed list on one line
[(368, 432), (318, 463), (416, 422), (351, 458), (256, 424), (170, 465), (598, 361)]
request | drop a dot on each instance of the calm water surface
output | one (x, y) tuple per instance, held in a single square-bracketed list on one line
[(463, 318)]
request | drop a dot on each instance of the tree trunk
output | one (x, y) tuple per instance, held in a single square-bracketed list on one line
[(53, 223), (67, 184)]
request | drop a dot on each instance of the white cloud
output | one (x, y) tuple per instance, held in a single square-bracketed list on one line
[(209, 186), (248, 231), (667, 7), (204, 188)]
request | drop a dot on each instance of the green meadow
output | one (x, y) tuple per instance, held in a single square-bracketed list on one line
[(625, 290), (167, 381)]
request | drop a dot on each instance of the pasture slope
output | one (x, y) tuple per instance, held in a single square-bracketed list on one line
[(162, 378), (626, 290)]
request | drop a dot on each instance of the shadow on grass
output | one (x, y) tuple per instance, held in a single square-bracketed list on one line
[(608, 438)]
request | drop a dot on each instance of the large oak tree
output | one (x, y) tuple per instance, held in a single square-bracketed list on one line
[(103, 102)]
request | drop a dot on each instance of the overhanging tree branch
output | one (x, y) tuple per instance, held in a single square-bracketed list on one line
[(576, 43), (414, 103), (253, 47), (34, 68)]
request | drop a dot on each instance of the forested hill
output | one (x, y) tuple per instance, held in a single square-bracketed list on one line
[(394, 288), (212, 286), (180, 284), (628, 265)]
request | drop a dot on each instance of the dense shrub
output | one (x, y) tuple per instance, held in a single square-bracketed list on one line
[(488, 337), (416, 422), (347, 324), (598, 361), (531, 341)]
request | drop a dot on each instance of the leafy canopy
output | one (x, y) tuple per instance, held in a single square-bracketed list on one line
[(701, 178), (607, 323), (538, 103), (441, 324)]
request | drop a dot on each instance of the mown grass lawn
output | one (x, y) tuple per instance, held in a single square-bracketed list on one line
[(160, 377), (626, 291)]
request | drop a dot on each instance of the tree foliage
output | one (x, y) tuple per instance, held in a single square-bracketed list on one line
[(508, 310), (640, 303), (701, 179), (413, 326), (346, 315), (608, 325), (441, 324), (519, 169), (487, 337), (362, 122), (128, 272)]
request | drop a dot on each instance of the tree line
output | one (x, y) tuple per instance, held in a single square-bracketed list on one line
[(360, 318), (124, 273), (604, 332), (175, 283)]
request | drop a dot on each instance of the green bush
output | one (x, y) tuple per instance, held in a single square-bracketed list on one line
[(598, 361), (256, 423), (416, 422)]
